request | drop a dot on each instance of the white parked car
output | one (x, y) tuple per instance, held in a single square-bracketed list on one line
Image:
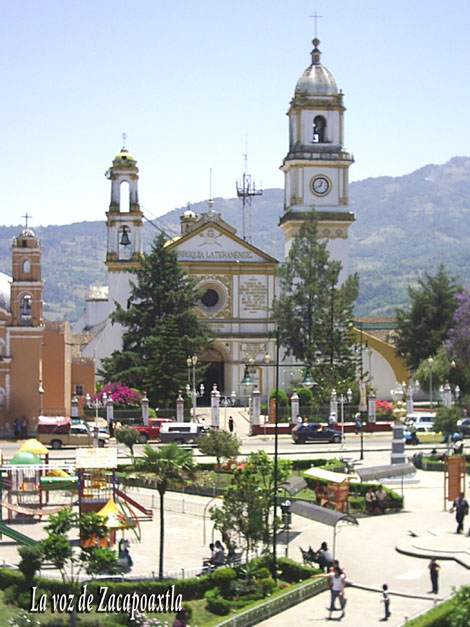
[(421, 419)]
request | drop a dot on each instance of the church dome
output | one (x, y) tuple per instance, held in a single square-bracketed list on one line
[(189, 215), (316, 80), (123, 156), (5, 291), (27, 233)]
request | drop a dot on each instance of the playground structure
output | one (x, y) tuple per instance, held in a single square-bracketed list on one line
[(29, 479)]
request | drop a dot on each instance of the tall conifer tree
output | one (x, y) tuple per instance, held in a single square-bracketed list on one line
[(422, 328), (314, 313), (161, 328)]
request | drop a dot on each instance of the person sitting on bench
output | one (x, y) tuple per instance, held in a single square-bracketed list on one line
[(371, 502), (325, 559)]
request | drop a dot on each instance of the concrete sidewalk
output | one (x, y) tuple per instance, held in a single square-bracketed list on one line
[(367, 552)]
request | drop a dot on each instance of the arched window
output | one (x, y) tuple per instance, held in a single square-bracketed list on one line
[(319, 130), (26, 266), (124, 199), (25, 310)]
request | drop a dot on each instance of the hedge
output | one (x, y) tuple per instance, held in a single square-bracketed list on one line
[(438, 616)]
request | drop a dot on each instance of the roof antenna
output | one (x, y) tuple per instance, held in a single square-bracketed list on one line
[(210, 202), (246, 189)]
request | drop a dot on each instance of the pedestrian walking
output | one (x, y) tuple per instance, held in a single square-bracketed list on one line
[(332, 420), (460, 506), (24, 428), (386, 602), (16, 429), (434, 569), (230, 424), (336, 583), (357, 423)]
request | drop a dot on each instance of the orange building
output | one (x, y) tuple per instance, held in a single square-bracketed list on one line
[(40, 368)]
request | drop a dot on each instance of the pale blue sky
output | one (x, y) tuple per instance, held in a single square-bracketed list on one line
[(189, 81)]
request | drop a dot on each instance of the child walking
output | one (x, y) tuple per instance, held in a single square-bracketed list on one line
[(386, 602)]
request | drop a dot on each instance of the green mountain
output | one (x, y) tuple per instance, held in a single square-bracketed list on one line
[(404, 226)]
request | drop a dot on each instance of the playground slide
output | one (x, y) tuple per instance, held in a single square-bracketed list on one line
[(141, 508), (16, 535)]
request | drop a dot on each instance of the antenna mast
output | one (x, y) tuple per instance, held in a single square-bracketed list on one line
[(246, 189)]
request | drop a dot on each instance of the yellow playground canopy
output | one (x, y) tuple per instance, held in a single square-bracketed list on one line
[(115, 517), (33, 446)]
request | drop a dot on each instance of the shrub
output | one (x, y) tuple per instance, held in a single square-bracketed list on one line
[(357, 503), (266, 585), (215, 604), (262, 573), (281, 395), (305, 397), (223, 577)]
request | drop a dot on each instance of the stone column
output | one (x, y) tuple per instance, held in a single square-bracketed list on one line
[(294, 407), (255, 406), (215, 398), (109, 410), (179, 408), (145, 409)]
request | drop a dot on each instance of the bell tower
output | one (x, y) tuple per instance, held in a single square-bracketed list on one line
[(26, 285), (124, 226), (317, 164)]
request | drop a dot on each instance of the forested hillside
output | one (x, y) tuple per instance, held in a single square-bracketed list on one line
[(404, 226)]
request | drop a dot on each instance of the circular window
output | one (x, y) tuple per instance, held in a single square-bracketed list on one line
[(210, 298)]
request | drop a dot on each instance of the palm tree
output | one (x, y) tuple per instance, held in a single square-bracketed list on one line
[(167, 464)]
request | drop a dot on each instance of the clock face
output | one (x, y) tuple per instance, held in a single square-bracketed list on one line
[(320, 185)]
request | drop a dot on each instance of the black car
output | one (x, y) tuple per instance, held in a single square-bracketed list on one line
[(314, 432), (464, 426)]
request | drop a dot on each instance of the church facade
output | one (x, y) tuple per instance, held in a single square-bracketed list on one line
[(236, 278)]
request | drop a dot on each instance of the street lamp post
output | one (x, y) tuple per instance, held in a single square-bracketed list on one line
[(342, 399), (430, 363), (96, 404), (226, 402), (191, 362)]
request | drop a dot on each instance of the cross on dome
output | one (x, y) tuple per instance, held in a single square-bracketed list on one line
[(26, 216)]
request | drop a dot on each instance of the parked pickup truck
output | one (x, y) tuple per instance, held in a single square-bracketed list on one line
[(58, 431), (152, 432)]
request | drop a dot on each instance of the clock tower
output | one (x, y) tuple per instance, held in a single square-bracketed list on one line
[(317, 164)]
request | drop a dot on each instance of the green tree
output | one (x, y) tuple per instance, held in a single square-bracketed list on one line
[(314, 312), (219, 444), (242, 513), (161, 328), (248, 502), (422, 328), (56, 548), (445, 421), (128, 436), (168, 464)]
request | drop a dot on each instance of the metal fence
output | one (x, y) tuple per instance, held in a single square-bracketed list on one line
[(274, 606)]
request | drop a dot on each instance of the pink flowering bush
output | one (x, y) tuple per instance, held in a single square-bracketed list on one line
[(384, 409), (121, 394)]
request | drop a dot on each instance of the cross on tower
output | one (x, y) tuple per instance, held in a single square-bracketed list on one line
[(26, 216), (124, 137), (316, 17)]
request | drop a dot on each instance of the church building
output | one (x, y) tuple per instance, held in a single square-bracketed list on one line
[(39, 371), (238, 279)]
